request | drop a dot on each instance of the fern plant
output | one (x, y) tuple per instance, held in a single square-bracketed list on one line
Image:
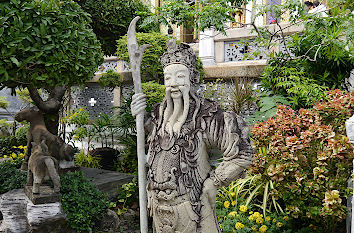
[(292, 82)]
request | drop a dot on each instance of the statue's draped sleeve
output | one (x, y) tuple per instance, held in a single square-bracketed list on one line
[(229, 133)]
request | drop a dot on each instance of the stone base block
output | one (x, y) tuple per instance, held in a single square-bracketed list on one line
[(46, 195), (20, 215)]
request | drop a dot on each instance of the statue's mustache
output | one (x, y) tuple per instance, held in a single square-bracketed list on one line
[(181, 88)]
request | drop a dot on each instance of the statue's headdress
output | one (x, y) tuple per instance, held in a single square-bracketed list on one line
[(181, 54)]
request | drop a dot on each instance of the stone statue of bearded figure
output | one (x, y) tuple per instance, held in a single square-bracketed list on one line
[(182, 185)]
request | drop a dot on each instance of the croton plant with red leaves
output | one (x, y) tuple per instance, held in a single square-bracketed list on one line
[(309, 157)]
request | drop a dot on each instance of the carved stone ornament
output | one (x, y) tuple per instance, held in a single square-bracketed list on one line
[(182, 185)]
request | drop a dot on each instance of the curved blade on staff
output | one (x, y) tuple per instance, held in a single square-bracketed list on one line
[(135, 56)]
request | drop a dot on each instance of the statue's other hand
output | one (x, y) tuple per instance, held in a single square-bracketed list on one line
[(210, 191), (138, 104)]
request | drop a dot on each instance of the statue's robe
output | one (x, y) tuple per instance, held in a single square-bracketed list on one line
[(179, 165)]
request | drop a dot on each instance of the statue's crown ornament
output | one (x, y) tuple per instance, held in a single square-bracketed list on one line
[(181, 54)]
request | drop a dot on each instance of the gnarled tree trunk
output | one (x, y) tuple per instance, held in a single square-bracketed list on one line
[(50, 107)]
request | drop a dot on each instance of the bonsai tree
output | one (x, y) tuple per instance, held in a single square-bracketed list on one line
[(47, 45)]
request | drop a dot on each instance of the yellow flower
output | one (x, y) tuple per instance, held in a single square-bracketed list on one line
[(254, 228), (20, 147), (267, 218), (279, 224), (251, 212), (286, 218), (13, 155), (251, 218), (263, 228), (243, 208), (14, 147), (233, 203), (227, 204), (232, 214), (274, 220), (259, 220), (232, 194), (239, 226), (256, 215), (5, 156)]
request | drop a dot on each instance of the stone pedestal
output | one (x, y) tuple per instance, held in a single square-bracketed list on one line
[(20, 215), (46, 195)]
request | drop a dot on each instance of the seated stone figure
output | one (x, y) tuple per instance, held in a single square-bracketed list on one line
[(38, 132), (182, 185), (41, 166)]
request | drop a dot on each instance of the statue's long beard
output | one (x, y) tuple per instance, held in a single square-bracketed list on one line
[(176, 112)]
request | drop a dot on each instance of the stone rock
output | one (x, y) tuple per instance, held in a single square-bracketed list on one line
[(20, 215), (110, 222), (349, 124), (13, 206), (106, 181)]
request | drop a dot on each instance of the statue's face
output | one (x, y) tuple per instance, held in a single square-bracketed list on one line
[(176, 77)]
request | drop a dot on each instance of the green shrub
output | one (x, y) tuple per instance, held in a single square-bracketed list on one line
[(82, 202), (111, 19), (127, 195), (151, 68), (154, 94), (326, 40), (308, 160), (86, 160), (10, 177), (21, 133), (110, 79), (51, 38), (292, 82)]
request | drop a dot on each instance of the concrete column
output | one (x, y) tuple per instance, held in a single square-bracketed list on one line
[(206, 47), (248, 13), (259, 20)]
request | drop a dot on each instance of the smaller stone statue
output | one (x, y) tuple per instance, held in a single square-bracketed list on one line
[(40, 167), (38, 132)]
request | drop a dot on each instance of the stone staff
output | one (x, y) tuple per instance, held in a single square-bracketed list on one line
[(135, 56)]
